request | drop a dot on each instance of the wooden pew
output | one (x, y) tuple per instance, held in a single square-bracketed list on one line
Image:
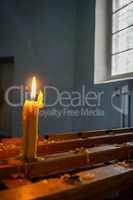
[(16, 182), (97, 182), (66, 145), (107, 179), (83, 134), (72, 135), (48, 147), (62, 162)]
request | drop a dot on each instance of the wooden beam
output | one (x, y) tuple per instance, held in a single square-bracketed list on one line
[(106, 179), (15, 182), (47, 147), (63, 162), (66, 145), (10, 167), (67, 136), (72, 135)]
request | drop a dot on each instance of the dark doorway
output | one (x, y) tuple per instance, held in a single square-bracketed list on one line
[(6, 81)]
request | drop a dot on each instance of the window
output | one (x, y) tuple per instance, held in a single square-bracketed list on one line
[(122, 37), (113, 40)]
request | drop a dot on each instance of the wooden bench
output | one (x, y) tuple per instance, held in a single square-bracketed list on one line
[(89, 158), (48, 147)]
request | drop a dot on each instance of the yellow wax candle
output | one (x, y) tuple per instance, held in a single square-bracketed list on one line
[(30, 116)]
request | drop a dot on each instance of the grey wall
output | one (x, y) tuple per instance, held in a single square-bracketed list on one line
[(55, 39), (41, 36), (84, 74)]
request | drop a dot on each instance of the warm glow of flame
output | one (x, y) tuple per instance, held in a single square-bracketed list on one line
[(40, 99), (33, 88)]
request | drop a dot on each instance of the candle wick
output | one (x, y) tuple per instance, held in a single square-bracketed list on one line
[(34, 98)]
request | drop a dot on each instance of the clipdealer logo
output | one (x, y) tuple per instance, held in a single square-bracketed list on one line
[(62, 98), (123, 95), (71, 103), (74, 103)]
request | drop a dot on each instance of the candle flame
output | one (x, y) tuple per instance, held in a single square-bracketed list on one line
[(40, 99), (33, 88)]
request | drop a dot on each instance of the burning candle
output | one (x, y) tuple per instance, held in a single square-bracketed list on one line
[(30, 116)]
